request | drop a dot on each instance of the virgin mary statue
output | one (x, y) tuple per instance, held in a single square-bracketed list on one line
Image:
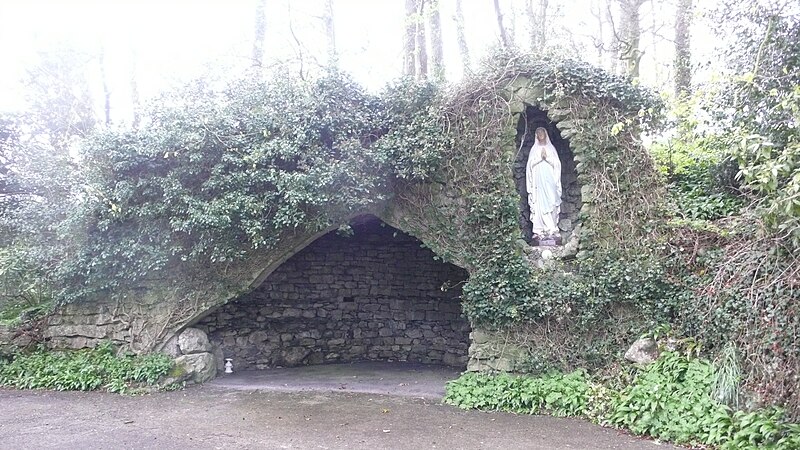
[(543, 181)]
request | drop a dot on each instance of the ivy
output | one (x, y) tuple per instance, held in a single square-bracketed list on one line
[(219, 173)]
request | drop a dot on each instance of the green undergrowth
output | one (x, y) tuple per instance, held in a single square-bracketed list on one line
[(670, 400), (84, 370)]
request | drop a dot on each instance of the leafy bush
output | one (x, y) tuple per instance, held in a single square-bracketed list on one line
[(669, 399), (83, 370), (219, 173), (556, 394), (698, 175), (762, 429), (697, 198), (24, 292), (774, 174)]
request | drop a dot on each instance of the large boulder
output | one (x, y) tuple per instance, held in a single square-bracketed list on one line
[(192, 341), (643, 351), (197, 367)]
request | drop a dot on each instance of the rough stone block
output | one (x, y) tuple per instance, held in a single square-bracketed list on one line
[(292, 312), (479, 336), (385, 332), (257, 337), (199, 367), (294, 356), (643, 351)]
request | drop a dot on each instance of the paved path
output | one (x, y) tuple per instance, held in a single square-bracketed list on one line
[(389, 378), (229, 414)]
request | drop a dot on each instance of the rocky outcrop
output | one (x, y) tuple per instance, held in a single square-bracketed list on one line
[(14, 339), (197, 367)]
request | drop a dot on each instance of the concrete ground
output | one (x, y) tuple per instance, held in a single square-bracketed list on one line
[(389, 378), (322, 407)]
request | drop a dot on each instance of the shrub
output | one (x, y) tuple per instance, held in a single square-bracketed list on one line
[(83, 370), (670, 399), (556, 394)]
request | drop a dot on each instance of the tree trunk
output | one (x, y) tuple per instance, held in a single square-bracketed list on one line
[(683, 60), (598, 39), (499, 14), (135, 98), (543, 4), (260, 33), (437, 51), (631, 35), (613, 67), (422, 43), (330, 34), (462, 37), (409, 56), (511, 23), (537, 20), (106, 90)]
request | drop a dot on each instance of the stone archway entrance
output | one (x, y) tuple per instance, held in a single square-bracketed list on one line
[(370, 293)]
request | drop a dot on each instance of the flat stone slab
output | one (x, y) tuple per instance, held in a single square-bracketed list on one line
[(389, 378)]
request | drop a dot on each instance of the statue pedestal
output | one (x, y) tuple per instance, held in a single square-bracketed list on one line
[(547, 241)]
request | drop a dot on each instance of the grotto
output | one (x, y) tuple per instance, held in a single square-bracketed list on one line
[(335, 232), (368, 293)]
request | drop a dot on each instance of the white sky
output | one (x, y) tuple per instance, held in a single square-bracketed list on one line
[(177, 39)]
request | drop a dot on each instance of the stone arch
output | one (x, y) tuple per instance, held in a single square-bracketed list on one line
[(151, 319), (531, 118), (530, 103), (372, 293)]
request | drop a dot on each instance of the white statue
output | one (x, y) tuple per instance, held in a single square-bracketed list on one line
[(543, 180)]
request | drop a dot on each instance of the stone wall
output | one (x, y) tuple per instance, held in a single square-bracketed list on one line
[(493, 351), (373, 295), (86, 325)]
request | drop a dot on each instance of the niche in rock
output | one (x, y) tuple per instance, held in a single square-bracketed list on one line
[(372, 293), (532, 119)]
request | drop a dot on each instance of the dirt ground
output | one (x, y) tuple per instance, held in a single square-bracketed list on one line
[(292, 409)]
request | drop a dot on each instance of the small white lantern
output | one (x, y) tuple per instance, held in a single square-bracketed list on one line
[(228, 365)]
